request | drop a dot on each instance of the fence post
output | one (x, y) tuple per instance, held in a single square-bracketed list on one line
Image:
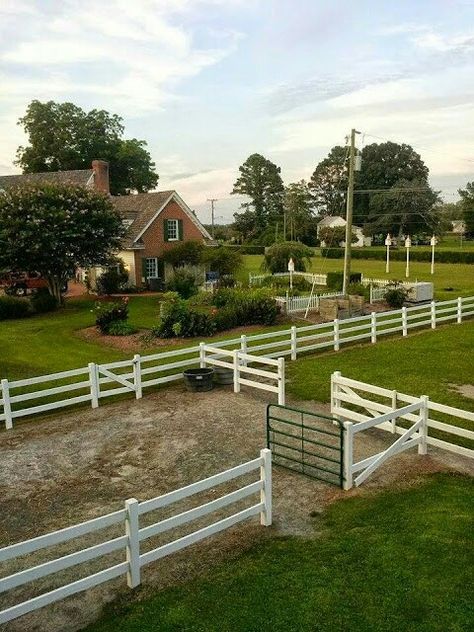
[(404, 321), (334, 390), (133, 542), (293, 342), (243, 347), (433, 315), (202, 356), (348, 453), (7, 408), (373, 328), (236, 371), (336, 334), (394, 407), (371, 299), (94, 382), (424, 414), (459, 318), (266, 491), (137, 375), (281, 381)]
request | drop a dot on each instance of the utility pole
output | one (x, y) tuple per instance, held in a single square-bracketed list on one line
[(349, 207), (212, 201)]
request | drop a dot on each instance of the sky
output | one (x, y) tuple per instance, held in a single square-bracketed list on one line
[(208, 82)]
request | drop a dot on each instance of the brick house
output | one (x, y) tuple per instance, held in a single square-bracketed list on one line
[(156, 223)]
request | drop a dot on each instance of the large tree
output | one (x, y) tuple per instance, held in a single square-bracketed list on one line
[(55, 229), (383, 166), (408, 208), (328, 183), (62, 136), (260, 180), (467, 202), (300, 222)]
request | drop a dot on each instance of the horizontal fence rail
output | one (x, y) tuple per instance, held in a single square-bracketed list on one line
[(294, 304), (364, 406), (133, 535), (30, 396)]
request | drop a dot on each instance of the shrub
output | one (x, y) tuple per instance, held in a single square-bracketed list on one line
[(201, 298), (112, 281), (359, 289), (277, 256), (223, 260), (179, 320), (335, 280), (249, 249), (121, 328), (14, 307), (244, 307), (108, 313), (396, 296), (188, 253), (42, 301), (283, 283), (184, 281)]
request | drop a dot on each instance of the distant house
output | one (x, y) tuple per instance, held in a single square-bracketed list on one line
[(458, 226), (339, 222), (155, 221)]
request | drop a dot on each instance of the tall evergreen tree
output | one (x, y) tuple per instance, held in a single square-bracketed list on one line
[(328, 183), (467, 201)]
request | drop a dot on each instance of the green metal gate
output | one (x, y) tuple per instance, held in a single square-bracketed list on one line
[(306, 442)]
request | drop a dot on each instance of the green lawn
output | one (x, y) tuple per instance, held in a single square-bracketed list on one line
[(458, 276), (424, 363), (398, 560)]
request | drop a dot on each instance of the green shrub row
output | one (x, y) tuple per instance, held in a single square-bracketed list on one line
[(248, 249), (442, 256), (40, 302)]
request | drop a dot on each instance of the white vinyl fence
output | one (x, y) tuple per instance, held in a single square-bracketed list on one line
[(295, 304), (93, 383), (134, 559), (363, 406)]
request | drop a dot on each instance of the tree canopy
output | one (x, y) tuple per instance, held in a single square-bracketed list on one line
[(328, 183), (300, 222), (261, 181), (467, 202), (63, 137), (55, 229)]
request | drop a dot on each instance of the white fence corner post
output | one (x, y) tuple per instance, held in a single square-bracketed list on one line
[(236, 371), (424, 414), (348, 446), (243, 347), (433, 315), (394, 407), (336, 334), (334, 390), (266, 491), (281, 381), (459, 315), (202, 355), (7, 408), (133, 542), (94, 383), (373, 327), (137, 375), (404, 321), (293, 343)]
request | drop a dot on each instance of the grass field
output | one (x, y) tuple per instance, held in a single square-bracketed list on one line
[(459, 277), (398, 560)]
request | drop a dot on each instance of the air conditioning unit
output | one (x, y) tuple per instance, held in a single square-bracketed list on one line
[(420, 292)]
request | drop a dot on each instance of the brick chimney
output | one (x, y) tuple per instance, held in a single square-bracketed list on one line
[(101, 176)]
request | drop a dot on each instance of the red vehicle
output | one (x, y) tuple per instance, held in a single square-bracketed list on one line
[(21, 283)]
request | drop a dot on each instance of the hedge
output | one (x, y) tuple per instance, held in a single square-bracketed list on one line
[(248, 249), (441, 256)]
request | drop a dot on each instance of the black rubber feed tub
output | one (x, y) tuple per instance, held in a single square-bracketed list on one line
[(199, 380)]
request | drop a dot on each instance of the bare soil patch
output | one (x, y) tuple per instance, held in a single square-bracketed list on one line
[(466, 390), (59, 471)]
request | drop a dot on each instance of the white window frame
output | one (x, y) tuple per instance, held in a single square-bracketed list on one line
[(155, 260), (176, 229)]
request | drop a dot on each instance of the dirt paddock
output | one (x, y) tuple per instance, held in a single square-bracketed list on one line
[(65, 469)]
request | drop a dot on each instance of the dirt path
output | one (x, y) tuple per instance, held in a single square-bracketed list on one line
[(59, 471)]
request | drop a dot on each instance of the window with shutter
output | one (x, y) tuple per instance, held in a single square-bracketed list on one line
[(172, 232)]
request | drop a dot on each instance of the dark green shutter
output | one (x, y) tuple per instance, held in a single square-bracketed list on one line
[(180, 229), (165, 229), (144, 268), (161, 269)]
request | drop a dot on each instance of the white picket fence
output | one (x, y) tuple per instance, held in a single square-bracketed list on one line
[(354, 402), (294, 304), (93, 383), (134, 559)]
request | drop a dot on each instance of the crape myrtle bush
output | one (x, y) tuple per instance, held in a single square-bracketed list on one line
[(442, 256), (109, 313)]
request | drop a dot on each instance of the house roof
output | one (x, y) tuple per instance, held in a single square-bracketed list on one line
[(329, 220), (76, 177), (144, 208)]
